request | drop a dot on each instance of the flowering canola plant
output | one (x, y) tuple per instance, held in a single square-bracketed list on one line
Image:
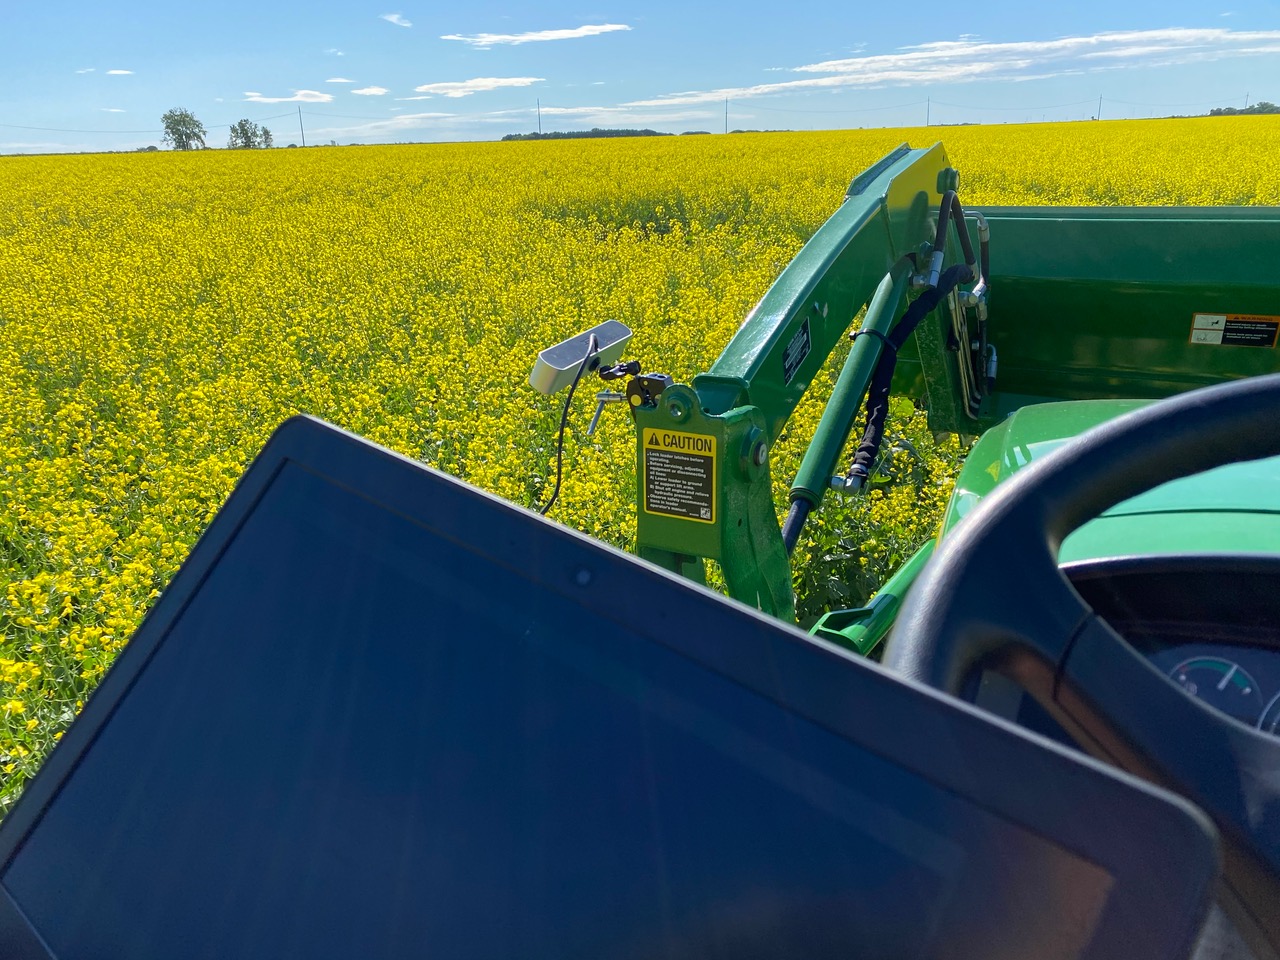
[(161, 314)]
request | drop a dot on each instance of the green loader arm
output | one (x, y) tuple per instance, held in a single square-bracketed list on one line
[(703, 450), (1091, 303)]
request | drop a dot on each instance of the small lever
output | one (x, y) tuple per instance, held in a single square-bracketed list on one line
[(603, 397), (620, 370)]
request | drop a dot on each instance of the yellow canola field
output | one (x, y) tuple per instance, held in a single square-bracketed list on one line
[(160, 314)]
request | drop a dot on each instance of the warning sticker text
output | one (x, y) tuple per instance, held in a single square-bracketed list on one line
[(680, 474)]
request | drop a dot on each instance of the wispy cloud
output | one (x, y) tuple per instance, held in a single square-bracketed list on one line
[(389, 128), (395, 18), (18, 146), (371, 91), (119, 73), (334, 52), (535, 36), (339, 80), (299, 96), (112, 110), (969, 59), (464, 88), (85, 70)]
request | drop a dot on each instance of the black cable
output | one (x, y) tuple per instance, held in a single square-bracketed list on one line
[(592, 347), (882, 379)]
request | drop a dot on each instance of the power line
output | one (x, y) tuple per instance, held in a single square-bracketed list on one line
[(1201, 103), (892, 106), (347, 116), (212, 126), (15, 126), (1056, 106)]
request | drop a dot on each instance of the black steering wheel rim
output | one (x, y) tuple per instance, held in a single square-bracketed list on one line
[(950, 626), (994, 596)]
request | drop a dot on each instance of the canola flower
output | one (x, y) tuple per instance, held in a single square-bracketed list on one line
[(160, 314)]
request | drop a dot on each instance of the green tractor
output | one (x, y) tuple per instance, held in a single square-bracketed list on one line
[(1070, 747)]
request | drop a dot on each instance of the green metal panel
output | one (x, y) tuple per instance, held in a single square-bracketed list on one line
[(1234, 509), (1098, 303), (1026, 435), (864, 628), (1172, 534)]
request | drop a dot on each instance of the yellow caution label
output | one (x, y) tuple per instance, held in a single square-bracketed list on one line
[(680, 474)]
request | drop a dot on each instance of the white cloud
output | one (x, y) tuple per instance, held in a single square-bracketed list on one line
[(464, 88), (387, 128), (535, 36), (119, 73), (85, 70), (112, 110), (299, 96), (395, 18), (339, 80), (426, 97), (334, 52), (965, 60), (371, 91)]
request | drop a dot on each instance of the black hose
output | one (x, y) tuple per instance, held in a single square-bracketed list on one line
[(796, 516), (592, 347), (882, 379), (950, 210)]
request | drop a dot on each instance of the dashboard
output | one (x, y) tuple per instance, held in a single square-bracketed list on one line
[(1242, 681), (1210, 624)]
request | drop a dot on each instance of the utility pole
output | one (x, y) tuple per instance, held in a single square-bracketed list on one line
[(1246, 101), (1099, 116), (928, 106), (304, 132), (726, 114), (539, 101)]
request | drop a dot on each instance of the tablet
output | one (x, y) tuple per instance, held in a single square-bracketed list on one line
[(380, 713)]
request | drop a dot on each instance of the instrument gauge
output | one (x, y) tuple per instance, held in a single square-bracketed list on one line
[(1269, 722), (1224, 685)]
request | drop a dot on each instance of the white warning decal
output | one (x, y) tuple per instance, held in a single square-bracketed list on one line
[(1234, 330)]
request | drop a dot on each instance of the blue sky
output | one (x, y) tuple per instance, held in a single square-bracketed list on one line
[(81, 76)]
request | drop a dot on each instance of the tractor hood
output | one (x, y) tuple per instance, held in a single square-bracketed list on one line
[(1233, 509)]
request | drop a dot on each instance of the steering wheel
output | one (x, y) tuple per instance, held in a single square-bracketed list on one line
[(993, 597)]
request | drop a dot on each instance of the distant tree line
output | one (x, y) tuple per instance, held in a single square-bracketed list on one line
[(1262, 106)]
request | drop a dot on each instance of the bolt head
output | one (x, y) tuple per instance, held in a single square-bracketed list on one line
[(760, 453)]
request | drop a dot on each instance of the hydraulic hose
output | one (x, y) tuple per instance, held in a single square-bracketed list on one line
[(814, 476), (950, 212), (878, 393)]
